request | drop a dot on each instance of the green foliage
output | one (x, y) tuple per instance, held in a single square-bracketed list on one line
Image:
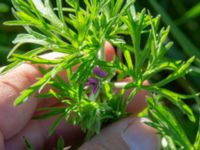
[(80, 32), (3, 8), (189, 48), (60, 144), (190, 14), (167, 125), (29, 146)]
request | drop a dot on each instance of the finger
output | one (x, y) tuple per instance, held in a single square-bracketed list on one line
[(1, 141), (109, 51), (11, 84), (37, 133), (138, 103), (13, 119), (126, 134)]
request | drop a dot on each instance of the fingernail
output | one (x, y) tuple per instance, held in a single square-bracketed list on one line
[(139, 136)]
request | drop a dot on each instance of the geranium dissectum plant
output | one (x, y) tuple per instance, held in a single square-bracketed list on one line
[(79, 30)]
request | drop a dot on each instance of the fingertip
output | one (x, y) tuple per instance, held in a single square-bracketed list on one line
[(139, 101), (139, 136), (109, 51), (129, 133), (146, 83)]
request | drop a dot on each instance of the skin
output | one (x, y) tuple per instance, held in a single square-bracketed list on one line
[(16, 122)]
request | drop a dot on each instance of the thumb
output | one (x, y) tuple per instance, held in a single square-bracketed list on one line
[(126, 134)]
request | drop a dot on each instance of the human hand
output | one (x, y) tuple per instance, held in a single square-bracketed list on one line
[(16, 123)]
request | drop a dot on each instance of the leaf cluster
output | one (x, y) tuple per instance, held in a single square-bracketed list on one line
[(79, 30)]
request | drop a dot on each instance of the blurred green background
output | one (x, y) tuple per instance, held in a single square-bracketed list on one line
[(184, 18)]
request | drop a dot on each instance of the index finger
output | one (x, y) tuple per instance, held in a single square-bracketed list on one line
[(11, 84)]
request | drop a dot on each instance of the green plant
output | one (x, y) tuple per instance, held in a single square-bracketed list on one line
[(79, 31)]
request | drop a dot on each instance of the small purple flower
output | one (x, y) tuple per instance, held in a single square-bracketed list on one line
[(94, 83), (99, 72)]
